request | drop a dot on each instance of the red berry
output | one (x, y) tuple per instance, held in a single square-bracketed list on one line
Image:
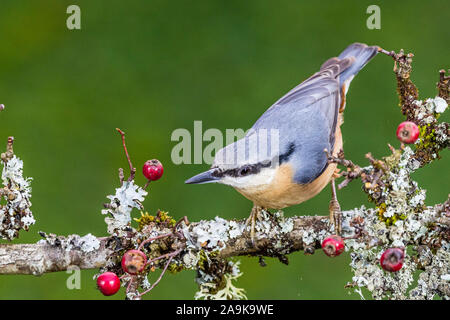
[(134, 261), (392, 259), (333, 245), (407, 132), (108, 283), (153, 169)]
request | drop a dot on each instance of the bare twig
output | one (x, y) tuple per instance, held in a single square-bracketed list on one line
[(159, 278), (132, 169), (143, 243), (353, 171), (9, 153), (444, 86), (121, 176)]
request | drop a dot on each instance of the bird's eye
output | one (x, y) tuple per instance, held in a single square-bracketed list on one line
[(245, 170), (217, 173)]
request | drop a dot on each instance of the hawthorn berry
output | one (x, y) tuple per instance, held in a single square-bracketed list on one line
[(134, 261), (153, 169), (392, 259), (333, 245), (108, 283), (407, 132)]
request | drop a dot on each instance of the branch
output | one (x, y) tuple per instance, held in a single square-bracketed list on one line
[(275, 237), (45, 257), (57, 254)]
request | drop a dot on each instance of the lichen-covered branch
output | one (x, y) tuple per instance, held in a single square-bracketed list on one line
[(15, 213), (276, 236), (57, 253), (54, 254)]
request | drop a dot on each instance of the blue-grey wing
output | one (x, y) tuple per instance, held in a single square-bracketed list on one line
[(306, 119)]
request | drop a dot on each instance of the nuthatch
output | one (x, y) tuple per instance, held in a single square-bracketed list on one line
[(289, 167)]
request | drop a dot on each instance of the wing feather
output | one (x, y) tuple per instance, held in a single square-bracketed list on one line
[(322, 85)]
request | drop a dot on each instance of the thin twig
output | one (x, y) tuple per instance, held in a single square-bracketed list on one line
[(353, 171), (132, 169), (121, 176), (388, 53), (9, 153), (170, 254), (184, 219), (159, 279), (154, 238), (129, 284)]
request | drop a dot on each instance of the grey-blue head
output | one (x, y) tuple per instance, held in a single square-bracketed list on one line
[(248, 162)]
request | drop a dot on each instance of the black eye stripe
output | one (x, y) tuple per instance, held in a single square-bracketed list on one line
[(218, 173), (245, 170), (242, 171), (253, 168)]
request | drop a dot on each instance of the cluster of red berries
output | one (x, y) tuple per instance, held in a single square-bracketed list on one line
[(133, 261), (391, 260), (407, 132)]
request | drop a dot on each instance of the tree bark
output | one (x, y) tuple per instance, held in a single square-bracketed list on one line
[(60, 253)]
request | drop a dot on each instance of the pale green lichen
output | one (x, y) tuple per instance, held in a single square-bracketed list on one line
[(369, 275), (15, 214), (74, 242), (209, 291), (161, 217), (400, 193), (126, 198)]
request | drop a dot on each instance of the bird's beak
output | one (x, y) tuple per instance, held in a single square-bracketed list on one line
[(204, 177)]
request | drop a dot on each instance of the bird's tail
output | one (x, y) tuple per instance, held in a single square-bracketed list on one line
[(362, 54), (359, 54), (349, 62)]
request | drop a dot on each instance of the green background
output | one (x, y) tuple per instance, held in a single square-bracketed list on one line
[(150, 67)]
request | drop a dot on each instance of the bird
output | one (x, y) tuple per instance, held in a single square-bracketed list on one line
[(283, 158)]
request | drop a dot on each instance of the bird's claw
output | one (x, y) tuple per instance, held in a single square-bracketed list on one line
[(335, 210), (251, 221), (336, 216)]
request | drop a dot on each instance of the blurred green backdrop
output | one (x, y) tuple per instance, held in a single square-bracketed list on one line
[(150, 67)]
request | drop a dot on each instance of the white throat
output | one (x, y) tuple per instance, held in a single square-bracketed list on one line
[(262, 178)]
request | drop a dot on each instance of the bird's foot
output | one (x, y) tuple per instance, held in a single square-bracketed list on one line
[(251, 221), (335, 210), (336, 216), (337, 173)]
